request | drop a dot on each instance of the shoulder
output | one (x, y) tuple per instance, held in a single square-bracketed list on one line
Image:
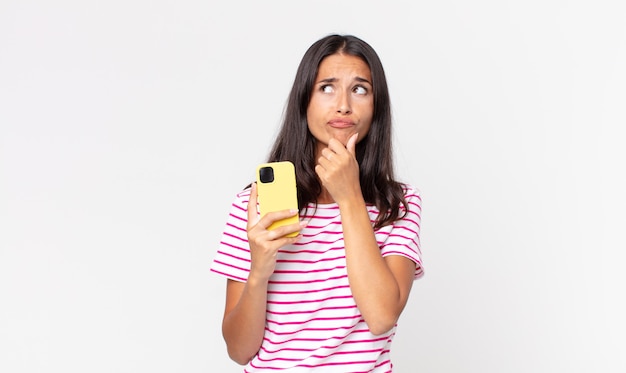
[(411, 192), (243, 196), (412, 197), (239, 205)]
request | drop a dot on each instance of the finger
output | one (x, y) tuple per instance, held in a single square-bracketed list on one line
[(338, 148), (274, 216), (335, 146), (321, 172), (253, 216), (327, 154), (351, 145), (279, 233), (323, 161)]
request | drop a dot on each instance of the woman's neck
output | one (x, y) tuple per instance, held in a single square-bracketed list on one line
[(324, 197)]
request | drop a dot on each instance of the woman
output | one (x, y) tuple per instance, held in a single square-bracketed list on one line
[(327, 300)]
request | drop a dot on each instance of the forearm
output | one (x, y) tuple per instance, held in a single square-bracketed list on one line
[(373, 284), (243, 327)]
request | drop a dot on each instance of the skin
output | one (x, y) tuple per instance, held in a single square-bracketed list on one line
[(342, 102), (339, 115), (243, 325)]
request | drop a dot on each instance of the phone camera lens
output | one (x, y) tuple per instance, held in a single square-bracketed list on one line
[(266, 174)]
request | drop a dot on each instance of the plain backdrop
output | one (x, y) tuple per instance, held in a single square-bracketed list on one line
[(127, 127)]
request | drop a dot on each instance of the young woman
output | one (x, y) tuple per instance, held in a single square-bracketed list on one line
[(327, 300)]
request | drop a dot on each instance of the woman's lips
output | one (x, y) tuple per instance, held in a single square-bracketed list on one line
[(341, 123)]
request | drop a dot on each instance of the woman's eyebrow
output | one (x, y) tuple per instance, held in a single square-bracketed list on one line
[(333, 80), (328, 80)]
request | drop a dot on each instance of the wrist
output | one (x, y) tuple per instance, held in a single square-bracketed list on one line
[(352, 202), (255, 281)]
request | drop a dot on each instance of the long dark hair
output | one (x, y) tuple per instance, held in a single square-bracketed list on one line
[(295, 143)]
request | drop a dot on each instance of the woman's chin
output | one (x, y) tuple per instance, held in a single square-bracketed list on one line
[(344, 136)]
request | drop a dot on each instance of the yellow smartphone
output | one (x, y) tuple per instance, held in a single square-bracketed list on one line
[(276, 189)]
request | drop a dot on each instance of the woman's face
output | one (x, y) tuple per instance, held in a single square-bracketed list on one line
[(342, 102)]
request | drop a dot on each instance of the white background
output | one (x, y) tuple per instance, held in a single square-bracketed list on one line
[(126, 128)]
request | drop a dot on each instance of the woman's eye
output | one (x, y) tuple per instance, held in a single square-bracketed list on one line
[(326, 89), (359, 90)]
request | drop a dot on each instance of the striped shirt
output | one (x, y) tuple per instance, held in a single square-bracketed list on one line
[(312, 321)]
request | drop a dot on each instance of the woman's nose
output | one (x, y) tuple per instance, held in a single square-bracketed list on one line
[(343, 104)]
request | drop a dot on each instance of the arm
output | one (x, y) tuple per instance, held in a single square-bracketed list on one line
[(243, 325), (380, 286), (244, 319)]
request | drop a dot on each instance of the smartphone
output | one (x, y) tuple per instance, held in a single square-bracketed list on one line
[(276, 189)]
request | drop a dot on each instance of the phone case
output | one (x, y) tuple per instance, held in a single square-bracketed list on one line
[(279, 194)]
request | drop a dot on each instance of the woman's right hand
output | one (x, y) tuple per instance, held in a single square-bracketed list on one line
[(264, 243), (243, 325)]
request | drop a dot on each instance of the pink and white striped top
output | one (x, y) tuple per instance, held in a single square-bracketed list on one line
[(313, 323)]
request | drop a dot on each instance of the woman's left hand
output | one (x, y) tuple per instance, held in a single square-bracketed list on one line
[(338, 169)]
